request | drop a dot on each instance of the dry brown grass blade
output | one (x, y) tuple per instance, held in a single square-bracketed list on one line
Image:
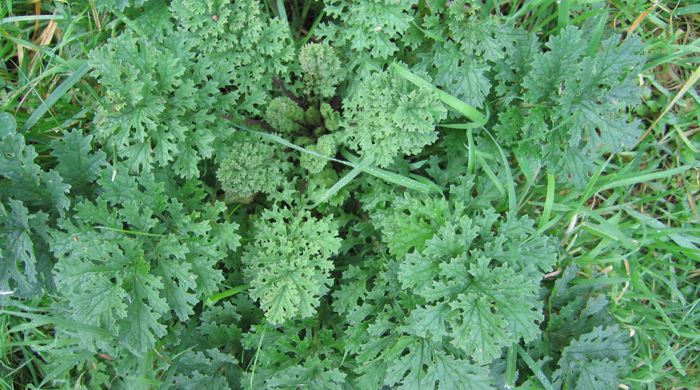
[(95, 15), (37, 11), (45, 38), (641, 18), (47, 34)]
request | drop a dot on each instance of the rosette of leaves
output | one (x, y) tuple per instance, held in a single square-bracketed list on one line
[(561, 106), (458, 289), (321, 70), (246, 47), (459, 49), (250, 165), (284, 115), (289, 260), (370, 31), (388, 117), (325, 146), (164, 97), (159, 105), (137, 258), (572, 100)]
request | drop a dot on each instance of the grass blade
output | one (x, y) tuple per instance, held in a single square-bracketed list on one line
[(549, 201), (643, 178), (606, 229), (29, 18), (425, 186), (597, 34), (56, 95), (491, 175), (68, 324), (511, 368), (390, 177), (456, 104), (563, 13), (510, 184), (225, 294), (345, 180), (535, 369)]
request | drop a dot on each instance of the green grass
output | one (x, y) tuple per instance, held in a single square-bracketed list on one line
[(637, 221), (660, 303)]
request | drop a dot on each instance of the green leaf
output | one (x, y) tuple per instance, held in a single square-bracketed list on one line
[(387, 117), (208, 369), (597, 360), (486, 321), (77, 164), (288, 263), (8, 125), (371, 26), (225, 294), (18, 252), (461, 77), (424, 365), (142, 329), (25, 180), (132, 284)]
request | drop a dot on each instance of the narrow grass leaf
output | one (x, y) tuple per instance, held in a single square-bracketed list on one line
[(56, 94), (281, 11), (471, 149), (458, 105), (549, 201), (604, 228), (688, 10), (68, 324), (497, 183), (535, 369), (597, 282), (641, 178), (511, 367), (563, 13), (345, 180), (390, 177), (460, 126), (29, 18), (597, 34), (608, 231), (424, 185), (639, 285), (510, 182), (225, 294), (681, 240)]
